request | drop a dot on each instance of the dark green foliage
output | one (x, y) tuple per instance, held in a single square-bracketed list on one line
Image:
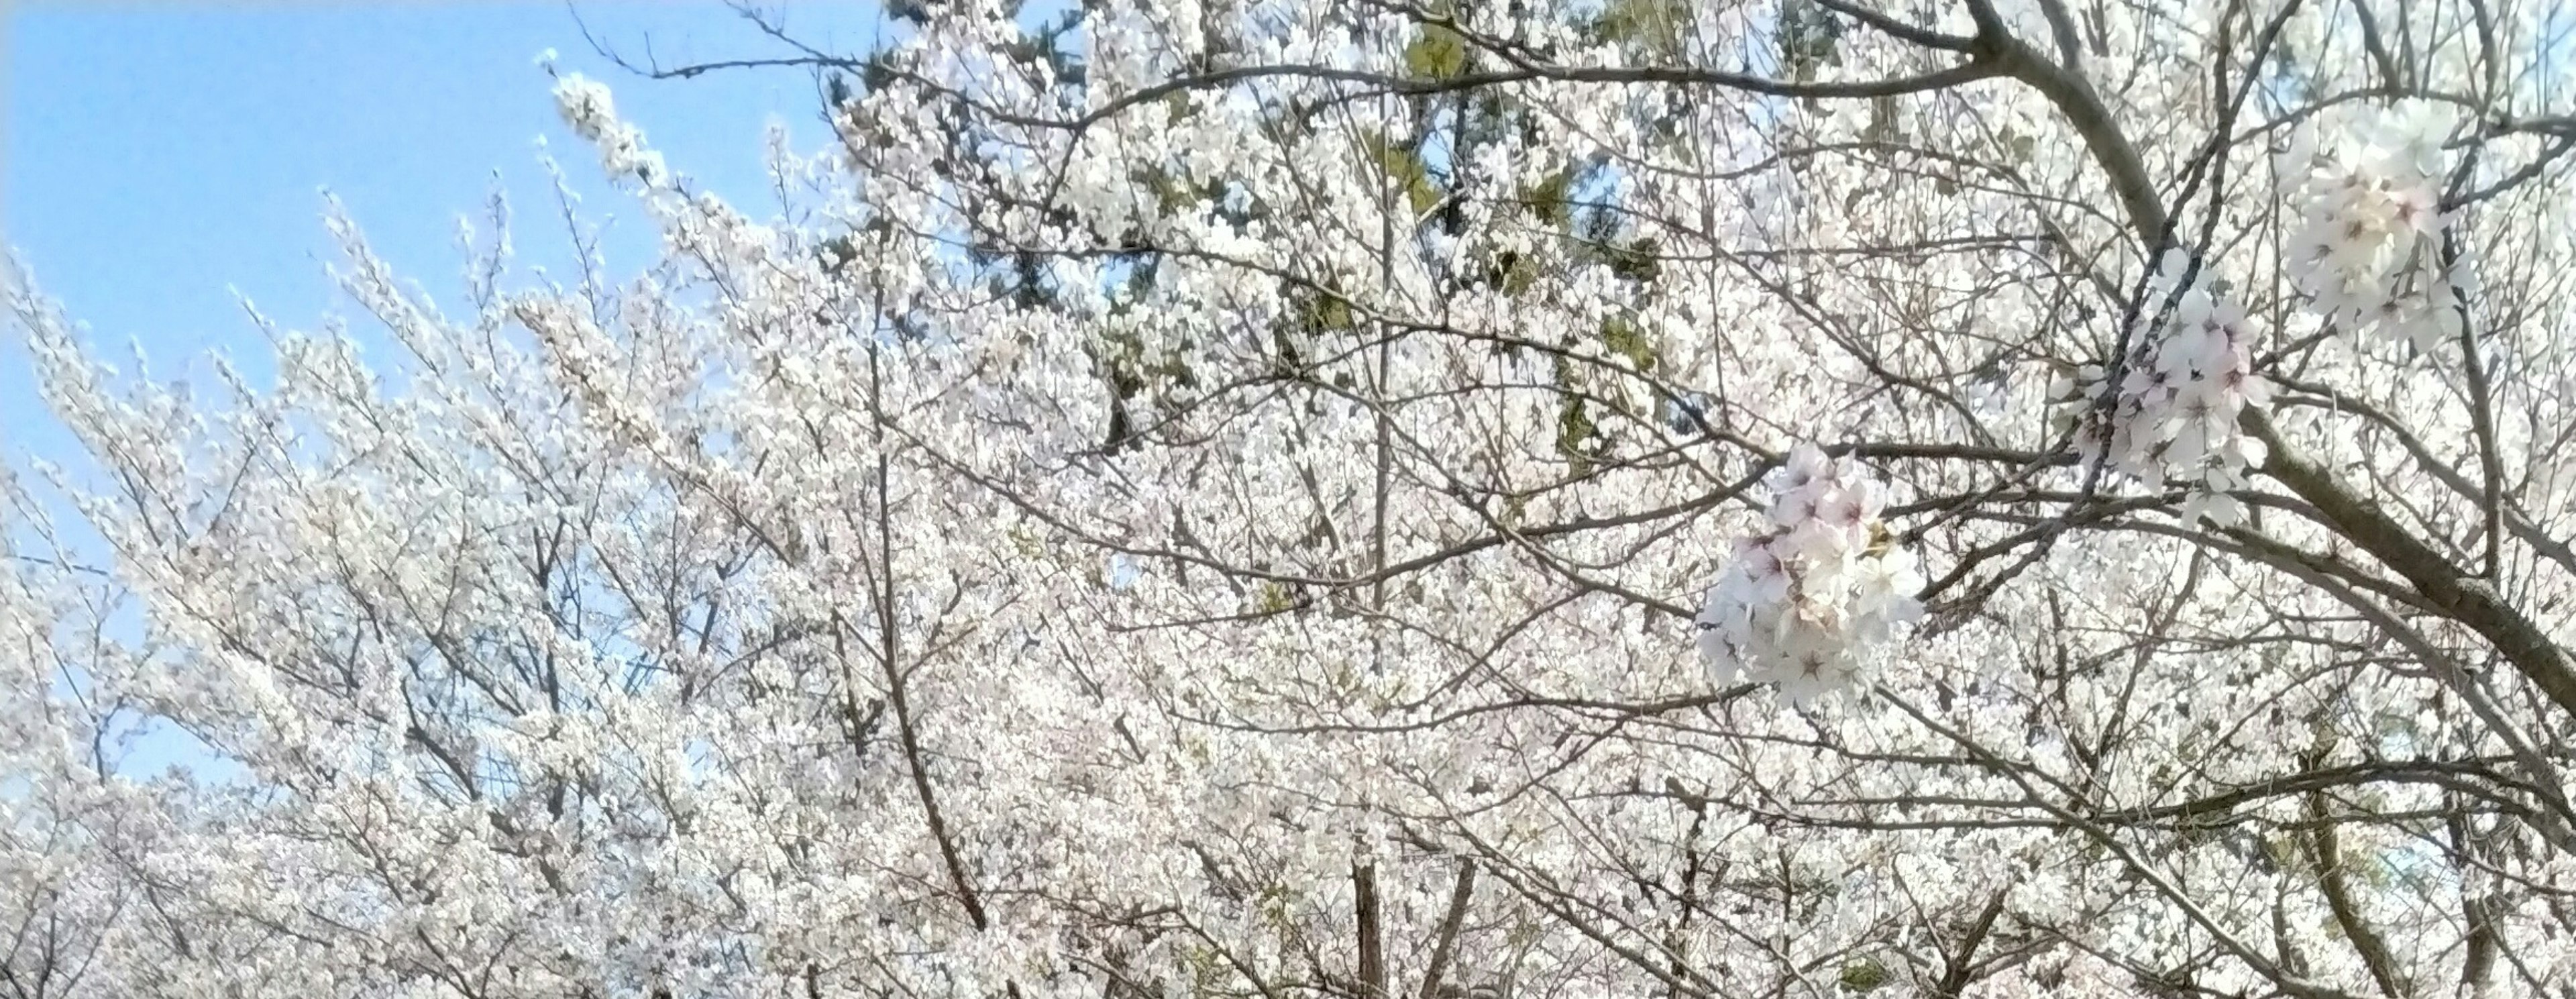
[(1809, 37)]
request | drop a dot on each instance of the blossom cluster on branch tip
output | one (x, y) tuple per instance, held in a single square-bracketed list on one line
[(2188, 376), (2370, 253), (589, 111), (1806, 603)]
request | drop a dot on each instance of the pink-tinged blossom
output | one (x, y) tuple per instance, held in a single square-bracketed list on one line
[(1806, 604), (2189, 380), (2370, 254)]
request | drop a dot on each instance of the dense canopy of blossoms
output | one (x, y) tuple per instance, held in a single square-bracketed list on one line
[(1212, 499)]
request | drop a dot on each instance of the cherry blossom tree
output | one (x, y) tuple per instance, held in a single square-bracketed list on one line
[(1365, 498)]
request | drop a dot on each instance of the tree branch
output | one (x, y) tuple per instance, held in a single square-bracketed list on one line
[(2469, 600), (1371, 931), (1447, 938)]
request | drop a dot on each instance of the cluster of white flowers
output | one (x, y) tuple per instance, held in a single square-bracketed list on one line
[(1805, 603), (2185, 382), (589, 112), (1130, 513), (2370, 254)]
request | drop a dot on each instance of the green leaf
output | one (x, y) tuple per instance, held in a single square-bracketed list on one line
[(1864, 975), (1406, 167), (1653, 28), (1512, 272), (1626, 339), (1637, 261), (1809, 34), (1574, 432), (1550, 201), (1438, 53)]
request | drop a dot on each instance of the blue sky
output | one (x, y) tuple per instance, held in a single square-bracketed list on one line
[(158, 156)]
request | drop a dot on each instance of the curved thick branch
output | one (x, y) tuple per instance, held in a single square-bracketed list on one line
[(2462, 596)]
